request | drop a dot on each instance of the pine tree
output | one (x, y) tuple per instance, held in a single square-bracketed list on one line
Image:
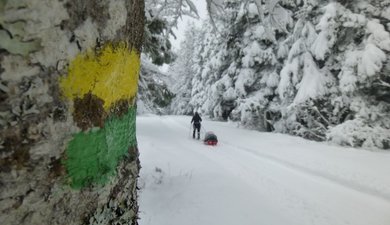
[(182, 71)]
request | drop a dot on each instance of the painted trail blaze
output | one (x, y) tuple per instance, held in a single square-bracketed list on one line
[(111, 75), (102, 87), (93, 156)]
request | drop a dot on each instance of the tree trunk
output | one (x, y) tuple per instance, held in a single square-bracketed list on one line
[(69, 77)]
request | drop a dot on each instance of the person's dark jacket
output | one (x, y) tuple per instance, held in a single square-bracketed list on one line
[(196, 119)]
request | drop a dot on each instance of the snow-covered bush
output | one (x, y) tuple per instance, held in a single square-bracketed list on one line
[(359, 133)]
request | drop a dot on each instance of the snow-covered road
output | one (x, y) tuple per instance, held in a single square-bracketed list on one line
[(254, 178)]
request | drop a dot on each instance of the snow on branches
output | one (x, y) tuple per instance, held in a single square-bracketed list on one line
[(305, 67)]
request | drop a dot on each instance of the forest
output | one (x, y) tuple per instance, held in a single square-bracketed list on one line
[(310, 68)]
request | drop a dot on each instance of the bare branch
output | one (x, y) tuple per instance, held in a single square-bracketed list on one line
[(383, 83)]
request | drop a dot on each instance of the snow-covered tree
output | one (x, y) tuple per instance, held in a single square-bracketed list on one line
[(153, 93), (364, 78), (235, 62), (182, 70), (306, 83), (161, 17)]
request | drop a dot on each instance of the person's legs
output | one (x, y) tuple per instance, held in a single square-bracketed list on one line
[(193, 133), (198, 128)]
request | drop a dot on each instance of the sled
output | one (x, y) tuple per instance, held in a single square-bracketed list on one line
[(210, 139)]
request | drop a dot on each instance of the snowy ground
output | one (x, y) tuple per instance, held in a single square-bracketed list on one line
[(254, 178)]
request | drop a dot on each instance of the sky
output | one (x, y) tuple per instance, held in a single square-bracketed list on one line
[(179, 32)]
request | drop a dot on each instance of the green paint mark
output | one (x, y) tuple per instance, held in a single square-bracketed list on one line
[(92, 157)]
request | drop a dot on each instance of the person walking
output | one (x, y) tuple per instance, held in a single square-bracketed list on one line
[(196, 119)]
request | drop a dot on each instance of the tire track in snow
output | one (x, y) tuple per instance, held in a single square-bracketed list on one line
[(289, 165), (293, 202), (284, 198)]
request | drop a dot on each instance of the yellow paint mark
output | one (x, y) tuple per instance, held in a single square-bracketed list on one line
[(111, 75)]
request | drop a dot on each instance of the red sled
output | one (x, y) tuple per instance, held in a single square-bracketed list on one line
[(210, 138)]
